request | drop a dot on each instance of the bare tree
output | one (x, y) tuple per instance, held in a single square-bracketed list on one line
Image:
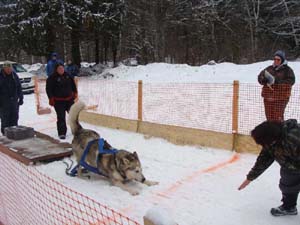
[(252, 8)]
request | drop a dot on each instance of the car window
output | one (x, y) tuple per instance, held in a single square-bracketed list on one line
[(19, 68)]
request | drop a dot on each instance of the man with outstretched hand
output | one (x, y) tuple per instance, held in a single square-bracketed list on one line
[(280, 142)]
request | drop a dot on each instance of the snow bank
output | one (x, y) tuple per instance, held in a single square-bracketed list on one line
[(159, 216), (164, 72)]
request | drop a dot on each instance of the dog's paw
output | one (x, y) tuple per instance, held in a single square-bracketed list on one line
[(134, 192), (151, 183)]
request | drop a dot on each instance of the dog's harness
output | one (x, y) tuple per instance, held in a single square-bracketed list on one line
[(101, 151)]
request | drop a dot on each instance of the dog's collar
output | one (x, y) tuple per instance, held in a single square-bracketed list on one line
[(123, 175)]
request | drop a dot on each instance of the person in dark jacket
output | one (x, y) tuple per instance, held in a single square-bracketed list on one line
[(72, 69), (11, 96), (280, 142), (61, 90), (51, 64), (277, 81)]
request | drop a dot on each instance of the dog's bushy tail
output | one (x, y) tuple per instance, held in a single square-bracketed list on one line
[(74, 115)]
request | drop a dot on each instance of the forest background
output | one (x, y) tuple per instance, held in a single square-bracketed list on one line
[(173, 31)]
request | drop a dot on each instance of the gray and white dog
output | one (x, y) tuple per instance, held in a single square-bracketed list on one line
[(120, 167)]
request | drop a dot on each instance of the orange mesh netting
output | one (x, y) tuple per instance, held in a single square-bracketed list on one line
[(253, 108), (207, 106), (191, 105), (29, 197), (109, 97), (104, 97)]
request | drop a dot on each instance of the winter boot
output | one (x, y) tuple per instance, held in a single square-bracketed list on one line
[(62, 136), (281, 211)]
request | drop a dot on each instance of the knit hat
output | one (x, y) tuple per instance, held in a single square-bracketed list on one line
[(280, 54), (53, 54), (7, 64), (58, 63)]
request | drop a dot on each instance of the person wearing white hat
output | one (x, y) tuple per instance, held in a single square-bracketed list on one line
[(11, 96)]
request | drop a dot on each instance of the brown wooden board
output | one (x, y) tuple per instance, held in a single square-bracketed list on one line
[(39, 148)]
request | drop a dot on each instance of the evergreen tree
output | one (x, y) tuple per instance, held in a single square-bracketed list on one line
[(181, 31), (74, 14), (9, 46), (36, 25), (138, 30), (104, 21)]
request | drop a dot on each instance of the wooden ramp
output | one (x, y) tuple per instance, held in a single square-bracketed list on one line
[(31, 150)]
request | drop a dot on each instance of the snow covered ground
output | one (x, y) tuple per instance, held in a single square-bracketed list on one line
[(196, 185), (164, 72), (218, 73)]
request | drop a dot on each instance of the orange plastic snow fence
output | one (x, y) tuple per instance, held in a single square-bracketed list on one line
[(232, 108)]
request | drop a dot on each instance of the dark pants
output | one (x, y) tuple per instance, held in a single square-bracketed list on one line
[(9, 114), (274, 109), (61, 107), (290, 187)]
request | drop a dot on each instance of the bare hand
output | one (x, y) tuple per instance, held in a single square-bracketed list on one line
[(244, 184)]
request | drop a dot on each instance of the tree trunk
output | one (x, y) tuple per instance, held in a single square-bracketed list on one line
[(75, 43), (97, 49), (187, 46), (114, 50), (105, 47), (50, 45)]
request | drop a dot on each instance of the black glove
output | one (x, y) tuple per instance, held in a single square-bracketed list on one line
[(264, 80), (20, 101)]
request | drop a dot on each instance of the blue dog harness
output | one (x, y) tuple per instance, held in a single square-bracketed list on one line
[(101, 151)]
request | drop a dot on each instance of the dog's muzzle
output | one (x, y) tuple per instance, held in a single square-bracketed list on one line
[(143, 180)]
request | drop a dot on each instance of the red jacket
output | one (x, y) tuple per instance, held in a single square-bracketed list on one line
[(284, 79)]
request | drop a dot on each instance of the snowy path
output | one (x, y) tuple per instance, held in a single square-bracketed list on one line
[(197, 185)]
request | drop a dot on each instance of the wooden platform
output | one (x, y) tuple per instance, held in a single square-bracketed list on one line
[(39, 148)]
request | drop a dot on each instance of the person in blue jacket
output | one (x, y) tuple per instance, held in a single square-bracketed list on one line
[(72, 69), (51, 64), (11, 96)]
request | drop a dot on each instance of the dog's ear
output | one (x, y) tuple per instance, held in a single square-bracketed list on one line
[(126, 161), (135, 155)]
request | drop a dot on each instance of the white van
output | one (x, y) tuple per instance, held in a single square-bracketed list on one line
[(26, 78)]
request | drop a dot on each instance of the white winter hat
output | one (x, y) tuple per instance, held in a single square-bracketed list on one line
[(7, 64)]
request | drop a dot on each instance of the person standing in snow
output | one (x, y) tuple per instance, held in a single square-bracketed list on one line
[(277, 81), (61, 91), (280, 142), (72, 69), (51, 64), (11, 96)]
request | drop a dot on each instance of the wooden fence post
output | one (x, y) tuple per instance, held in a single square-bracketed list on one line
[(235, 112), (140, 100), (36, 93), (140, 104), (40, 110)]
